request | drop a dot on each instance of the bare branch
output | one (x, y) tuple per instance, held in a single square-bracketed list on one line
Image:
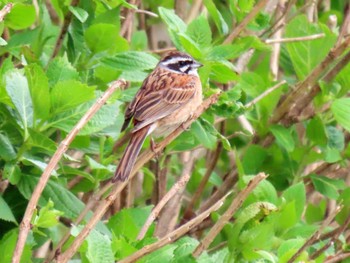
[(316, 235), (64, 30), (180, 184), (237, 201), (294, 39), (173, 236), (260, 5), (264, 94), (25, 224), (5, 10)]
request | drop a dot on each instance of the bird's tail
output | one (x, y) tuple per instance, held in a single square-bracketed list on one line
[(130, 154)]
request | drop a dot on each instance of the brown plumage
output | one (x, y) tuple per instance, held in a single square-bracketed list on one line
[(166, 99)]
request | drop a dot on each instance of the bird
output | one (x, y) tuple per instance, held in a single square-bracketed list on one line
[(167, 98)]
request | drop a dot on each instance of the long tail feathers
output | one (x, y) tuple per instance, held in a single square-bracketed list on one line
[(130, 154)]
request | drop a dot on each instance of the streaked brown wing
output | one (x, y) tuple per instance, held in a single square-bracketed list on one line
[(159, 103)]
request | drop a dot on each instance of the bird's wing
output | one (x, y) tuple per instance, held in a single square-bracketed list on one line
[(161, 97)]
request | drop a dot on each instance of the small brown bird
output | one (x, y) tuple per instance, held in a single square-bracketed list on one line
[(166, 99)]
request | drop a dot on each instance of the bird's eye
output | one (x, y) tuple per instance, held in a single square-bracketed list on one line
[(182, 63)]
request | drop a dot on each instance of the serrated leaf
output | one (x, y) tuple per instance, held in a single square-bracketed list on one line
[(327, 186), (102, 37), (283, 137), (128, 222), (341, 111), (199, 31), (223, 72), (105, 117), (39, 90), (79, 13), (18, 90), (174, 22), (68, 94), (48, 216), (7, 152), (99, 248), (306, 55), (296, 193), (202, 135), (20, 17), (38, 139), (190, 46), (217, 17), (60, 69), (131, 61), (6, 213), (315, 131), (63, 199)]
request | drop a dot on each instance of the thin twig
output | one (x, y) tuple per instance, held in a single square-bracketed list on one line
[(64, 30), (144, 157), (310, 80), (146, 12), (316, 235), (180, 184), (237, 201), (345, 25), (264, 94), (25, 224), (294, 39), (245, 21), (338, 258), (5, 10), (334, 237), (176, 234)]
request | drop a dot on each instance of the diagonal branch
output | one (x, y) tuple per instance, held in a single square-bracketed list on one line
[(25, 224), (237, 201)]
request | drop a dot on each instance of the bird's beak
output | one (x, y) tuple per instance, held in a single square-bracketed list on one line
[(196, 64)]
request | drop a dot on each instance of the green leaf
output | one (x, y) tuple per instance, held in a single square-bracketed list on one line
[(69, 94), (128, 222), (283, 137), (306, 55), (253, 159), (48, 216), (174, 22), (63, 199), (190, 46), (60, 69), (38, 139), (296, 193), (341, 111), (102, 37), (327, 186), (79, 13), (222, 72), (202, 135), (39, 90), (20, 17), (217, 17), (8, 244), (12, 172), (131, 61), (265, 191), (199, 31), (3, 42), (7, 152), (6, 213), (336, 138), (315, 213), (105, 117), (18, 90), (315, 131), (288, 248), (99, 248)]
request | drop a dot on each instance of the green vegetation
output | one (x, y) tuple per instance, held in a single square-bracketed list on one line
[(278, 81)]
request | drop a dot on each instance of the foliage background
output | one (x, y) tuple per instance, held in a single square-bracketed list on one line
[(58, 57)]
